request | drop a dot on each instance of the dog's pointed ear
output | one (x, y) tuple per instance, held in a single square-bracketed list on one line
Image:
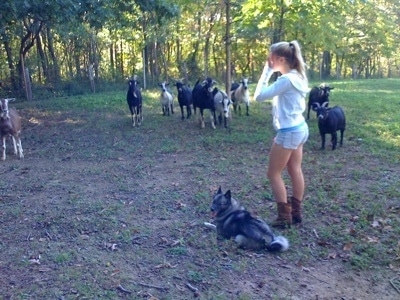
[(219, 190), (228, 195)]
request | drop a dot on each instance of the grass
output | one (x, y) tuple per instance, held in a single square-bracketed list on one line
[(90, 180)]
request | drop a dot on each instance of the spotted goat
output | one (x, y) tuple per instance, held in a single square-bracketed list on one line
[(10, 125)]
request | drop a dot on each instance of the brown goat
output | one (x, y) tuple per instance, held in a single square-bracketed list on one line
[(10, 125)]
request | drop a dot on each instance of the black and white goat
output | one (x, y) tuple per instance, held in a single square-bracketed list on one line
[(10, 125), (240, 94), (203, 98), (134, 99), (330, 120), (184, 99), (166, 99), (318, 94), (222, 105)]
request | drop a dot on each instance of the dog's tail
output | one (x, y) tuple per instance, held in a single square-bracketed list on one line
[(279, 243)]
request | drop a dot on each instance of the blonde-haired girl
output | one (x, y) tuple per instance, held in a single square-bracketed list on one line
[(288, 94)]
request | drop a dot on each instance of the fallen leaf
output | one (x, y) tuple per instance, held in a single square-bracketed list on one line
[(348, 246), (372, 239), (332, 255), (375, 224)]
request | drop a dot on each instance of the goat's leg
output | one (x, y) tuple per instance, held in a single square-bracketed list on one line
[(247, 109), (334, 140), (19, 147), (131, 109), (4, 148), (322, 141), (188, 111), (202, 118), (133, 119), (172, 108), (341, 137), (15, 145), (234, 107), (212, 118), (182, 113)]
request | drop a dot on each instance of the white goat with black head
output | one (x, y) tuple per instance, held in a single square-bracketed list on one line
[(10, 125), (240, 94), (166, 99), (222, 105)]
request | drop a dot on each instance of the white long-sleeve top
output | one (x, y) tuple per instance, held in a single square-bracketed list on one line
[(288, 94)]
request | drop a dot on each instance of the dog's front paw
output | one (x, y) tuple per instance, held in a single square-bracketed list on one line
[(210, 225)]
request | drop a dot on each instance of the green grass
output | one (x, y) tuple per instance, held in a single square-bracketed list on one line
[(89, 179)]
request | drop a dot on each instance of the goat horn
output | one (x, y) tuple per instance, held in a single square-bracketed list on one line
[(324, 104)]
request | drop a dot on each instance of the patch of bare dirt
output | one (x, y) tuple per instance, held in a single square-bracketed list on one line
[(107, 212)]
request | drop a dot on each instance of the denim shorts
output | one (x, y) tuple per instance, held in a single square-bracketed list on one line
[(292, 139)]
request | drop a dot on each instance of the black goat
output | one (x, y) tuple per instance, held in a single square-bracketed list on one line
[(134, 99), (184, 99), (330, 120), (203, 98), (318, 95)]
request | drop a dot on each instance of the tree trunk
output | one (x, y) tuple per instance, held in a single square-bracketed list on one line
[(326, 65), (112, 59), (55, 69), (228, 78), (43, 59), (11, 66)]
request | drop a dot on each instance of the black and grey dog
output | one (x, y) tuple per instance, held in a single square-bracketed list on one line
[(232, 220)]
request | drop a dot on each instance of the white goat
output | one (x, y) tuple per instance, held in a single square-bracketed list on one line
[(10, 125), (222, 105), (166, 99), (240, 94)]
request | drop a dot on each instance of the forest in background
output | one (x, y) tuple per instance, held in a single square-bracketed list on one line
[(70, 47)]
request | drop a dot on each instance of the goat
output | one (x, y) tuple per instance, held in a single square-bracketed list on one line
[(134, 99), (240, 94), (10, 125), (204, 99), (166, 99), (184, 99), (222, 105), (318, 95), (330, 120)]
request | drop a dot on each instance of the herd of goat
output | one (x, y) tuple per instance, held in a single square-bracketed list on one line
[(204, 96)]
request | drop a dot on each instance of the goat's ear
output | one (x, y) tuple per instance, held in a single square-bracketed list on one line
[(228, 195), (219, 190), (332, 88)]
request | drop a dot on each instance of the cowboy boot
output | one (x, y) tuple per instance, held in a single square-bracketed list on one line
[(296, 210), (284, 215)]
